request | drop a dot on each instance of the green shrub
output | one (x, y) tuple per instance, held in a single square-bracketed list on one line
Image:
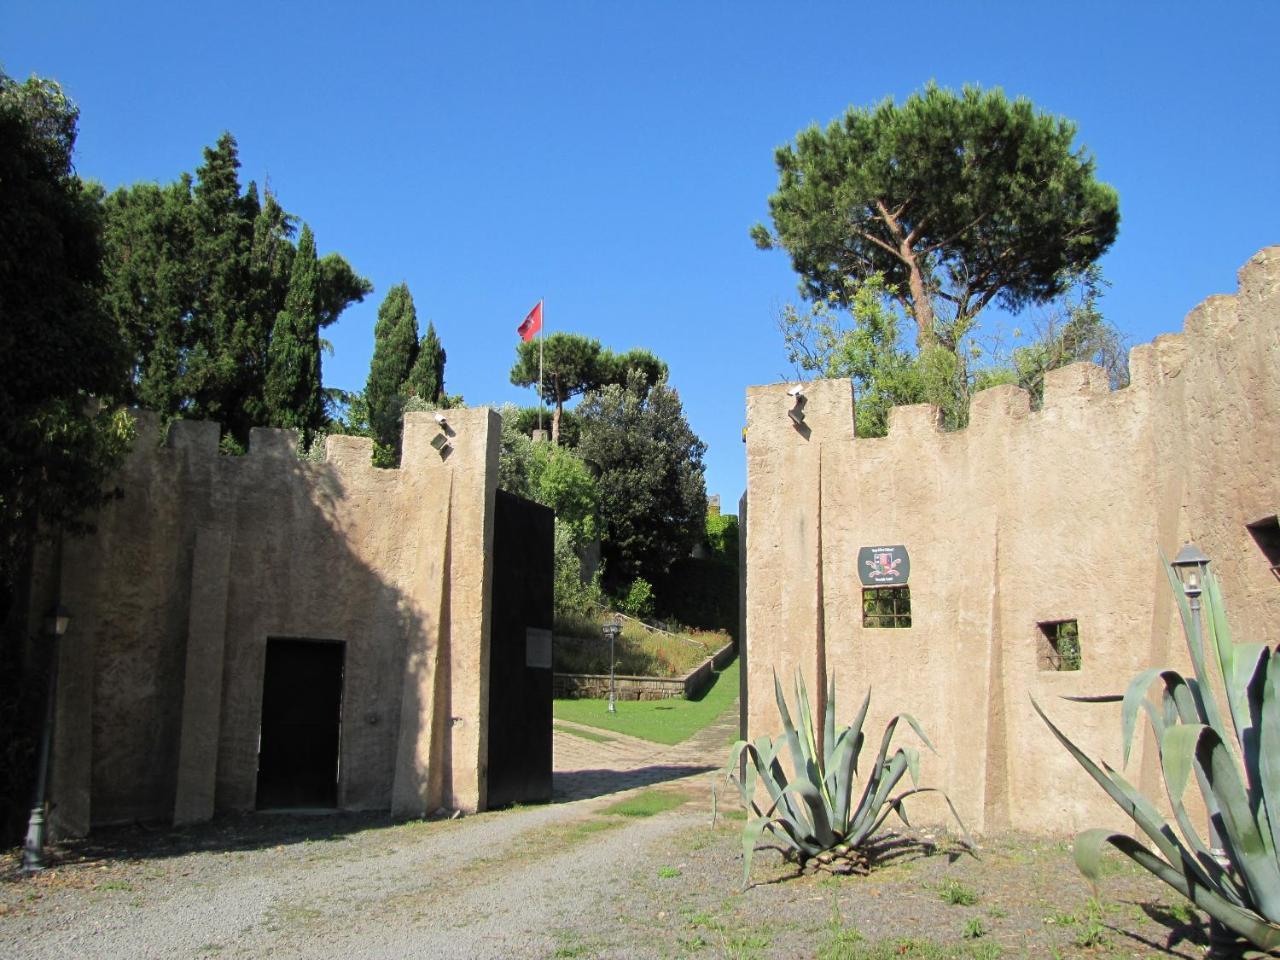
[(1233, 876), (638, 602)]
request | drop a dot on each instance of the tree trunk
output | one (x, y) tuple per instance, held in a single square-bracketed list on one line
[(555, 423), (921, 305)]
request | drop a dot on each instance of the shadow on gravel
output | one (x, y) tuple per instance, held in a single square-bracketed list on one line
[(1180, 931), (224, 834), (883, 851), (584, 784)]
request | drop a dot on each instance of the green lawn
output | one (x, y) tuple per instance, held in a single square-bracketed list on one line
[(662, 721)]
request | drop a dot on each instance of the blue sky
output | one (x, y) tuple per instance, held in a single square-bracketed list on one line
[(611, 157)]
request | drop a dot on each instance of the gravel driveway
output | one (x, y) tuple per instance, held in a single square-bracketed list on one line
[(574, 878)]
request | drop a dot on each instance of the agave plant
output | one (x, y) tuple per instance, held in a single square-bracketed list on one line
[(1231, 871), (819, 813)]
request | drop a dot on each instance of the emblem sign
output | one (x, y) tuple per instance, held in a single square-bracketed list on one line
[(883, 566)]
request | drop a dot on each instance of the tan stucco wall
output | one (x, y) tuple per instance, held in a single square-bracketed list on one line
[(1021, 518), (206, 556)]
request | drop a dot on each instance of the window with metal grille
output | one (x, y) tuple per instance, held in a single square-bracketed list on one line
[(1059, 645), (886, 606)]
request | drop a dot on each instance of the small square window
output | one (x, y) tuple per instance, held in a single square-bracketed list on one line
[(886, 607), (1059, 645)]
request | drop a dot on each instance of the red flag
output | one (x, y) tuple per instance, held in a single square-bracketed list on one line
[(532, 324)]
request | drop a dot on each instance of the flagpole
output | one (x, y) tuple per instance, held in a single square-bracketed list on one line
[(543, 313)]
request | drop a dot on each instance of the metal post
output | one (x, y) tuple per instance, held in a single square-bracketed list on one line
[(33, 860), (611, 630)]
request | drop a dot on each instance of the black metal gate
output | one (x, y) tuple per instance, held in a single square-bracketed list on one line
[(520, 652)]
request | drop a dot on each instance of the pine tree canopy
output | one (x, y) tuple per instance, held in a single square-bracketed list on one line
[(957, 200)]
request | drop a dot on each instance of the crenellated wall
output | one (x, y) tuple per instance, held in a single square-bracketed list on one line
[(206, 556), (1022, 518)]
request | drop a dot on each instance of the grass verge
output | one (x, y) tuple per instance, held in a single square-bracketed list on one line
[(660, 721)]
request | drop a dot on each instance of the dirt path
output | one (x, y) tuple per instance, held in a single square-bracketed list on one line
[(567, 879)]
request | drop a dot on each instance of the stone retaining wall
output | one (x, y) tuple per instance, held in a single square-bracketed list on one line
[(592, 686)]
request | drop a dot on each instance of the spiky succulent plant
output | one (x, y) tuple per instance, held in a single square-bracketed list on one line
[(819, 811), (1231, 870)]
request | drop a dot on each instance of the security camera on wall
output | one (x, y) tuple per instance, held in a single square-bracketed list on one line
[(796, 391)]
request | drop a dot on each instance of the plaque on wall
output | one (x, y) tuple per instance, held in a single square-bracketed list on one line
[(883, 566), (537, 648)]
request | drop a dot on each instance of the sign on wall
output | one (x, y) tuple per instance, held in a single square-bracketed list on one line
[(537, 648), (883, 566)]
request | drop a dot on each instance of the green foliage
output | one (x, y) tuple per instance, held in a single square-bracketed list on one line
[(956, 200), (571, 365), (701, 592), (974, 928), (1234, 874), (197, 273), (558, 478), (1077, 333), (576, 600), (722, 537), (638, 600), (653, 499), (61, 432), (866, 347), (395, 347), (292, 389), (426, 379), (640, 651), (817, 814), (958, 894)]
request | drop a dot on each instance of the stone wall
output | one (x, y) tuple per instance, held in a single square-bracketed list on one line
[(1020, 519), (205, 557)]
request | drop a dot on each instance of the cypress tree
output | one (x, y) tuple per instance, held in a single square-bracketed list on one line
[(292, 391), (395, 348), (426, 380)]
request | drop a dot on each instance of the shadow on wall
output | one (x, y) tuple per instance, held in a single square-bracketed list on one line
[(231, 603)]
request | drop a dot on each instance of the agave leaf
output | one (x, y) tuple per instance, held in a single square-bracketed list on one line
[(864, 820), (856, 727), (819, 815), (845, 771), (1241, 836), (1245, 693), (802, 762), (805, 727), (829, 727), (751, 835), (1269, 750), (1177, 757), (1189, 850), (1134, 696), (1219, 630), (1088, 848), (913, 764), (1132, 802)]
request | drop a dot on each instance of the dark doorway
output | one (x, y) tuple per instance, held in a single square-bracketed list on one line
[(301, 722), (520, 652)]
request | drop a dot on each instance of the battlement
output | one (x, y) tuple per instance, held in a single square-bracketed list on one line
[(426, 442), (1221, 333), (1021, 522)]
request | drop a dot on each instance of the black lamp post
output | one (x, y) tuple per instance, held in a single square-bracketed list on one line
[(611, 630), (55, 625), (1190, 565)]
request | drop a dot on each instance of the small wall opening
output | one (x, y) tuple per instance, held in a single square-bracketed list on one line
[(1059, 645), (886, 607), (301, 724), (1266, 534)]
